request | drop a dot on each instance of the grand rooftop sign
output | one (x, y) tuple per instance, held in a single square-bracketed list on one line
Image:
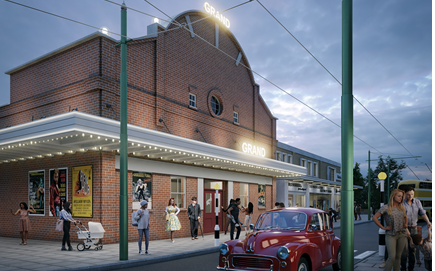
[(252, 149), (210, 10)]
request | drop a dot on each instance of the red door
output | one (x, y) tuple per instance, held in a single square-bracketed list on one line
[(210, 210)]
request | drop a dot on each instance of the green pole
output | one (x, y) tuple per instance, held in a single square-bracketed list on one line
[(368, 200), (123, 170), (347, 224)]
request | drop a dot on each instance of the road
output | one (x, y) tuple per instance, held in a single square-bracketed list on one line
[(366, 239)]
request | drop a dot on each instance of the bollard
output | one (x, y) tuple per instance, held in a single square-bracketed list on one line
[(381, 242)]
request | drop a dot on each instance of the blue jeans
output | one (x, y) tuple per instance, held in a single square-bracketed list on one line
[(147, 238), (56, 210)]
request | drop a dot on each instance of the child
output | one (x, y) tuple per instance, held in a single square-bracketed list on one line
[(425, 246)]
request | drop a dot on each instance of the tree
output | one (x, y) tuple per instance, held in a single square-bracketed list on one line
[(375, 194), (395, 172), (358, 179)]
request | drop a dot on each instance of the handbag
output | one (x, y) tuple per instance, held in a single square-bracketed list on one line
[(166, 216), (133, 219), (59, 225)]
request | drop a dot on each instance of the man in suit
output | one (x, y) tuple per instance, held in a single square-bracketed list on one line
[(234, 211), (194, 213)]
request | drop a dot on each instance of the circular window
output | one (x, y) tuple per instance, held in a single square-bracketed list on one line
[(215, 105)]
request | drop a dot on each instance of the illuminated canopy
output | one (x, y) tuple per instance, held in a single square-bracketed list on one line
[(80, 132)]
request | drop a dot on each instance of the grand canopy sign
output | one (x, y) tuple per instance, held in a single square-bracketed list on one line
[(210, 10), (254, 150)]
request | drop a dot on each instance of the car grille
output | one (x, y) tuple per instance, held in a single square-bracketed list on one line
[(251, 262)]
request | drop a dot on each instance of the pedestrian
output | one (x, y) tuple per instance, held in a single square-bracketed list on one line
[(358, 211), (143, 225), (66, 216), (55, 202), (24, 222), (297, 204), (194, 214), (172, 224), (354, 211), (248, 217), (425, 246), (276, 205), (228, 215), (235, 222), (413, 209), (396, 232), (281, 205), (333, 214)]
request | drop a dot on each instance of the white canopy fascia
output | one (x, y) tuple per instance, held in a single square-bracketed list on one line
[(316, 181), (79, 132)]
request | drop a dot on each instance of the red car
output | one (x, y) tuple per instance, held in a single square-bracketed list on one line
[(285, 239)]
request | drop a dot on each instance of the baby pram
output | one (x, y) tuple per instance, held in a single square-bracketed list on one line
[(93, 236)]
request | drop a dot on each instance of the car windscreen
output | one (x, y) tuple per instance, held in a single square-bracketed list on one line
[(282, 220)]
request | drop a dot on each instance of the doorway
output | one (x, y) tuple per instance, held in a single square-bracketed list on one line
[(210, 210)]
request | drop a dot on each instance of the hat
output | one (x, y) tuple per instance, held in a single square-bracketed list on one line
[(142, 203)]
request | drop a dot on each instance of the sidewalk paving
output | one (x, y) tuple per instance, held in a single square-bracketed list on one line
[(46, 255)]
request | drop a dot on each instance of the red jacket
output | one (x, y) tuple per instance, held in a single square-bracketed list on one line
[(54, 198)]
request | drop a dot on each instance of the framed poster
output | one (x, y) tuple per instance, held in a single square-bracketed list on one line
[(58, 190), (37, 191), (82, 191), (143, 187)]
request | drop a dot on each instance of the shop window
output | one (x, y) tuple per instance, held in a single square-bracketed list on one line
[(178, 191), (315, 170), (244, 194), (192, 100), (261, 195), (236, 117)]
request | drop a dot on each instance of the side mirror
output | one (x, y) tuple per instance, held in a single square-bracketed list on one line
[(313, 227), (252, 226)]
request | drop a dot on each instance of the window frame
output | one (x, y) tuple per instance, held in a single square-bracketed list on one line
[(315, 169), (194, 101), (179, 193), (236, 117), (214, 100), (243, 196)]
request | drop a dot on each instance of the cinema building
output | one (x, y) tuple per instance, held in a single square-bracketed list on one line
[(195, 119)]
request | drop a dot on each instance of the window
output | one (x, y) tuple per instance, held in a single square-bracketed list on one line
[(244, 194), (236, 117), (290, 158), (326, 221), (309, 168), (315, 223), (315, 170), (178, 191), (278, 156), (216, 105), (284, 156), (331, 174), (192, 100), (261, 195), (304, 163)]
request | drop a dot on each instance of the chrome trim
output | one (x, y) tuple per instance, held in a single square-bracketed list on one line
[(250, 256)]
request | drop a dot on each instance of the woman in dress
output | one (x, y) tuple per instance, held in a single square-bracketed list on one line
[(24, 225), (172, 224), (396, 230), (248, 217), (66, 216)]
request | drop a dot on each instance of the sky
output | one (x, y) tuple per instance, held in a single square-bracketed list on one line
[(392, 64)]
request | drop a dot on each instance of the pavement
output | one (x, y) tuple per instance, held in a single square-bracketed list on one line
[(46, 255)]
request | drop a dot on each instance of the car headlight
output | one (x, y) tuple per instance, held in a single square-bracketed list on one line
[(223, 249), (283, 253)]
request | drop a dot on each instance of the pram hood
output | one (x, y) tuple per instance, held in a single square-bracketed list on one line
[(95, 227)]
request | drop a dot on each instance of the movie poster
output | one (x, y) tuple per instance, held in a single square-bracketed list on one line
[(58, 190), (82, 191), (37, 191), (142, 187)]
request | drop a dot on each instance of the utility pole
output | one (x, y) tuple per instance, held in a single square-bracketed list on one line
[(368, 201), (123, 169), (381, 177), (347, 233)]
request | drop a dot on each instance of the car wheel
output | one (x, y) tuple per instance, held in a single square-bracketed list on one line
[(303, 265), (337, 266)]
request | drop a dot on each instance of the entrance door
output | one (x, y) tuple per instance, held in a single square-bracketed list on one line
[(210, 210)]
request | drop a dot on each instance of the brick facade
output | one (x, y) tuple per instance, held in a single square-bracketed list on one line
[(162, 71)]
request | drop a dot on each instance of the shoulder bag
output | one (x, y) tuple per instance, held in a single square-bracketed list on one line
[(59, 225)]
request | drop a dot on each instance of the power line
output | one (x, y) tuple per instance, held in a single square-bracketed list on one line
[(413, 172), (332, 75)]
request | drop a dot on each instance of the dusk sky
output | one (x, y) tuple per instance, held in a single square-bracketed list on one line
[(392, 68)]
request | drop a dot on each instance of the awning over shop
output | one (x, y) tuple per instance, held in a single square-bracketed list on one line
[(80, 132), (316, 181)]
